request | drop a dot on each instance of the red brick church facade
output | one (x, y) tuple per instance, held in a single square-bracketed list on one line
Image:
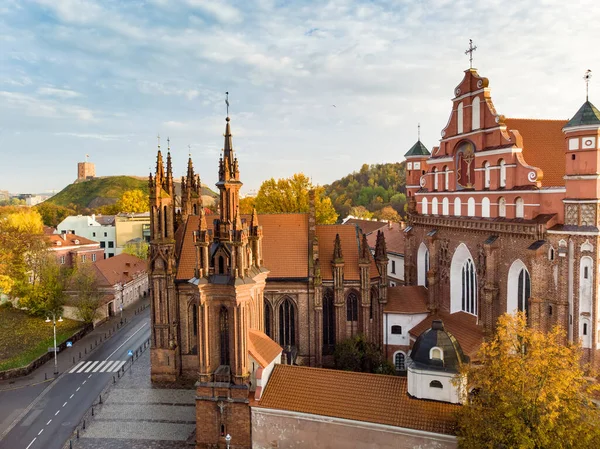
[(503, 216)]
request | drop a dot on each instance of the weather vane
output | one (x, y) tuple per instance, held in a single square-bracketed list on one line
[(470, 51), (227, 102), (587, 77)]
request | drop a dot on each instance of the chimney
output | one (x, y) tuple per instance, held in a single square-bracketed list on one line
[(390, 224), (63, 234), (94, 217)]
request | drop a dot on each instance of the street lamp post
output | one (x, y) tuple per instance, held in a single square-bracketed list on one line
[(228, 440), (54, 320)]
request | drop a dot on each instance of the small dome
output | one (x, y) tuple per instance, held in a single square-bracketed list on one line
[(437, 349)]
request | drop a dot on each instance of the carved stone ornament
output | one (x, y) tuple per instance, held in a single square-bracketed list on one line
[(588, 214), (571, 215), (481, 261), (587, 246), (423, 181)]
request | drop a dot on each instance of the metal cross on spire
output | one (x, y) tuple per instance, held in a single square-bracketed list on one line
[(227, 102), (470, 51), (158, 137), (189, 150), (419, 132), (587, 77), (168, 143)]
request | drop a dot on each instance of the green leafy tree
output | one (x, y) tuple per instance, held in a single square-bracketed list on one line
[(360, 212), (87, 297), (530, 392), (291, 195), (47, 292), (358, 354), (137, 249), (53, 214)]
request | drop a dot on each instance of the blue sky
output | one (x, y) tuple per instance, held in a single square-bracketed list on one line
[(103, 78)]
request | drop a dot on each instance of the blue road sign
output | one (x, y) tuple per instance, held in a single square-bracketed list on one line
[(130, 352), (69, 344)]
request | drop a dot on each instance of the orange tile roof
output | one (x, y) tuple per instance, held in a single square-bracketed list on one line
[(119, 269), (349, 238), (408, 299), (364, 397), (57, 240), (262, 348), (394, 238), (285, 244), (460, 324), (366, 226), (544, 143)]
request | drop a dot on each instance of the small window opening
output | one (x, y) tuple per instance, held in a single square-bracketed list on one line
[(397, 330), (436, 384), (549, 310), (222, 430), (586, 273), (585, 330), (573, 157)]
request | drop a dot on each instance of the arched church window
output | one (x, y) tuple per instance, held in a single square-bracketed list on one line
[(435, 178), (476, 114), (445, 207), (523, 291), (400, 361), (352, 307), (224, 335), (287, 324), (434, 206), (519, 207), (446, 178), (502, 207), (485, 207), (465, 166), (471, 207), (221, 265), (459, 118), (457, 207), (328, 322), (486, 175), (422, 264), (469, 287), (424, 208), (502, 173), (268, 312)]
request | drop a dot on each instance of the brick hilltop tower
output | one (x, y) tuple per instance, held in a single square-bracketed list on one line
[(231, 280), (162, 269)]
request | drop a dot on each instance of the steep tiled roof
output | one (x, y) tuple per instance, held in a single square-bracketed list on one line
[(122, 269), (418, 149), (63, 240), (366, 226), (460, 324), (349, 238), (262, 348), (408, 299), (394, 238), (587, 114), (543, 147), (365, 397)]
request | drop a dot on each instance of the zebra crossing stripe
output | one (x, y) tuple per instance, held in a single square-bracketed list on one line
[(98, 367), (108, 367), (76, 367), (84, 367), (90, 367), (118, 366)]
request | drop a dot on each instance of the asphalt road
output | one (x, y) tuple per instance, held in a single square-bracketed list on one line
[(51, 421)]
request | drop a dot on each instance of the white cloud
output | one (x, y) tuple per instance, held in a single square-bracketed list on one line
[(219, 10), (60, 93)]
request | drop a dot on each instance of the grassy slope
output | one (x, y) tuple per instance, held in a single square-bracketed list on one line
[(24, 338), (112, 187)]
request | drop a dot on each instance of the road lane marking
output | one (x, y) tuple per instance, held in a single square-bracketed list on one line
[(83, 367), (84, 382), (40, 432), (117, 367), (71, 397), (90, 367), (57, 412), (31, 443), (78, 388), (109, 366), (99, 366), (90, 376), (76, 367), (123, 344), (48, 422), (64, 404)]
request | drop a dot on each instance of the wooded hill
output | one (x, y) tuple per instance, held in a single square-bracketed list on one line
[(374, 187)]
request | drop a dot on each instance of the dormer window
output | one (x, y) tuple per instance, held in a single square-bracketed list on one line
[(76, 242), (436, 353)]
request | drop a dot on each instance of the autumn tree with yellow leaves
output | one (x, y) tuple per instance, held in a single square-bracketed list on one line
[(529, 392), (289, 195)]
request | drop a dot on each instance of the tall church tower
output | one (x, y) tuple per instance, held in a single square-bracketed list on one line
[(162, 268), (231, 280)]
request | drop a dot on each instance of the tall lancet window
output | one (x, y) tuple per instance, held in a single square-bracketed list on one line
[(469, 287), (328, 322), (224, 335), (523, 291), (486, 175), (287, 324), (352, 312), (268, 312), (435, 178)]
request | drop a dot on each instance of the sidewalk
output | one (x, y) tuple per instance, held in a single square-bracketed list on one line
[(85, 346)]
